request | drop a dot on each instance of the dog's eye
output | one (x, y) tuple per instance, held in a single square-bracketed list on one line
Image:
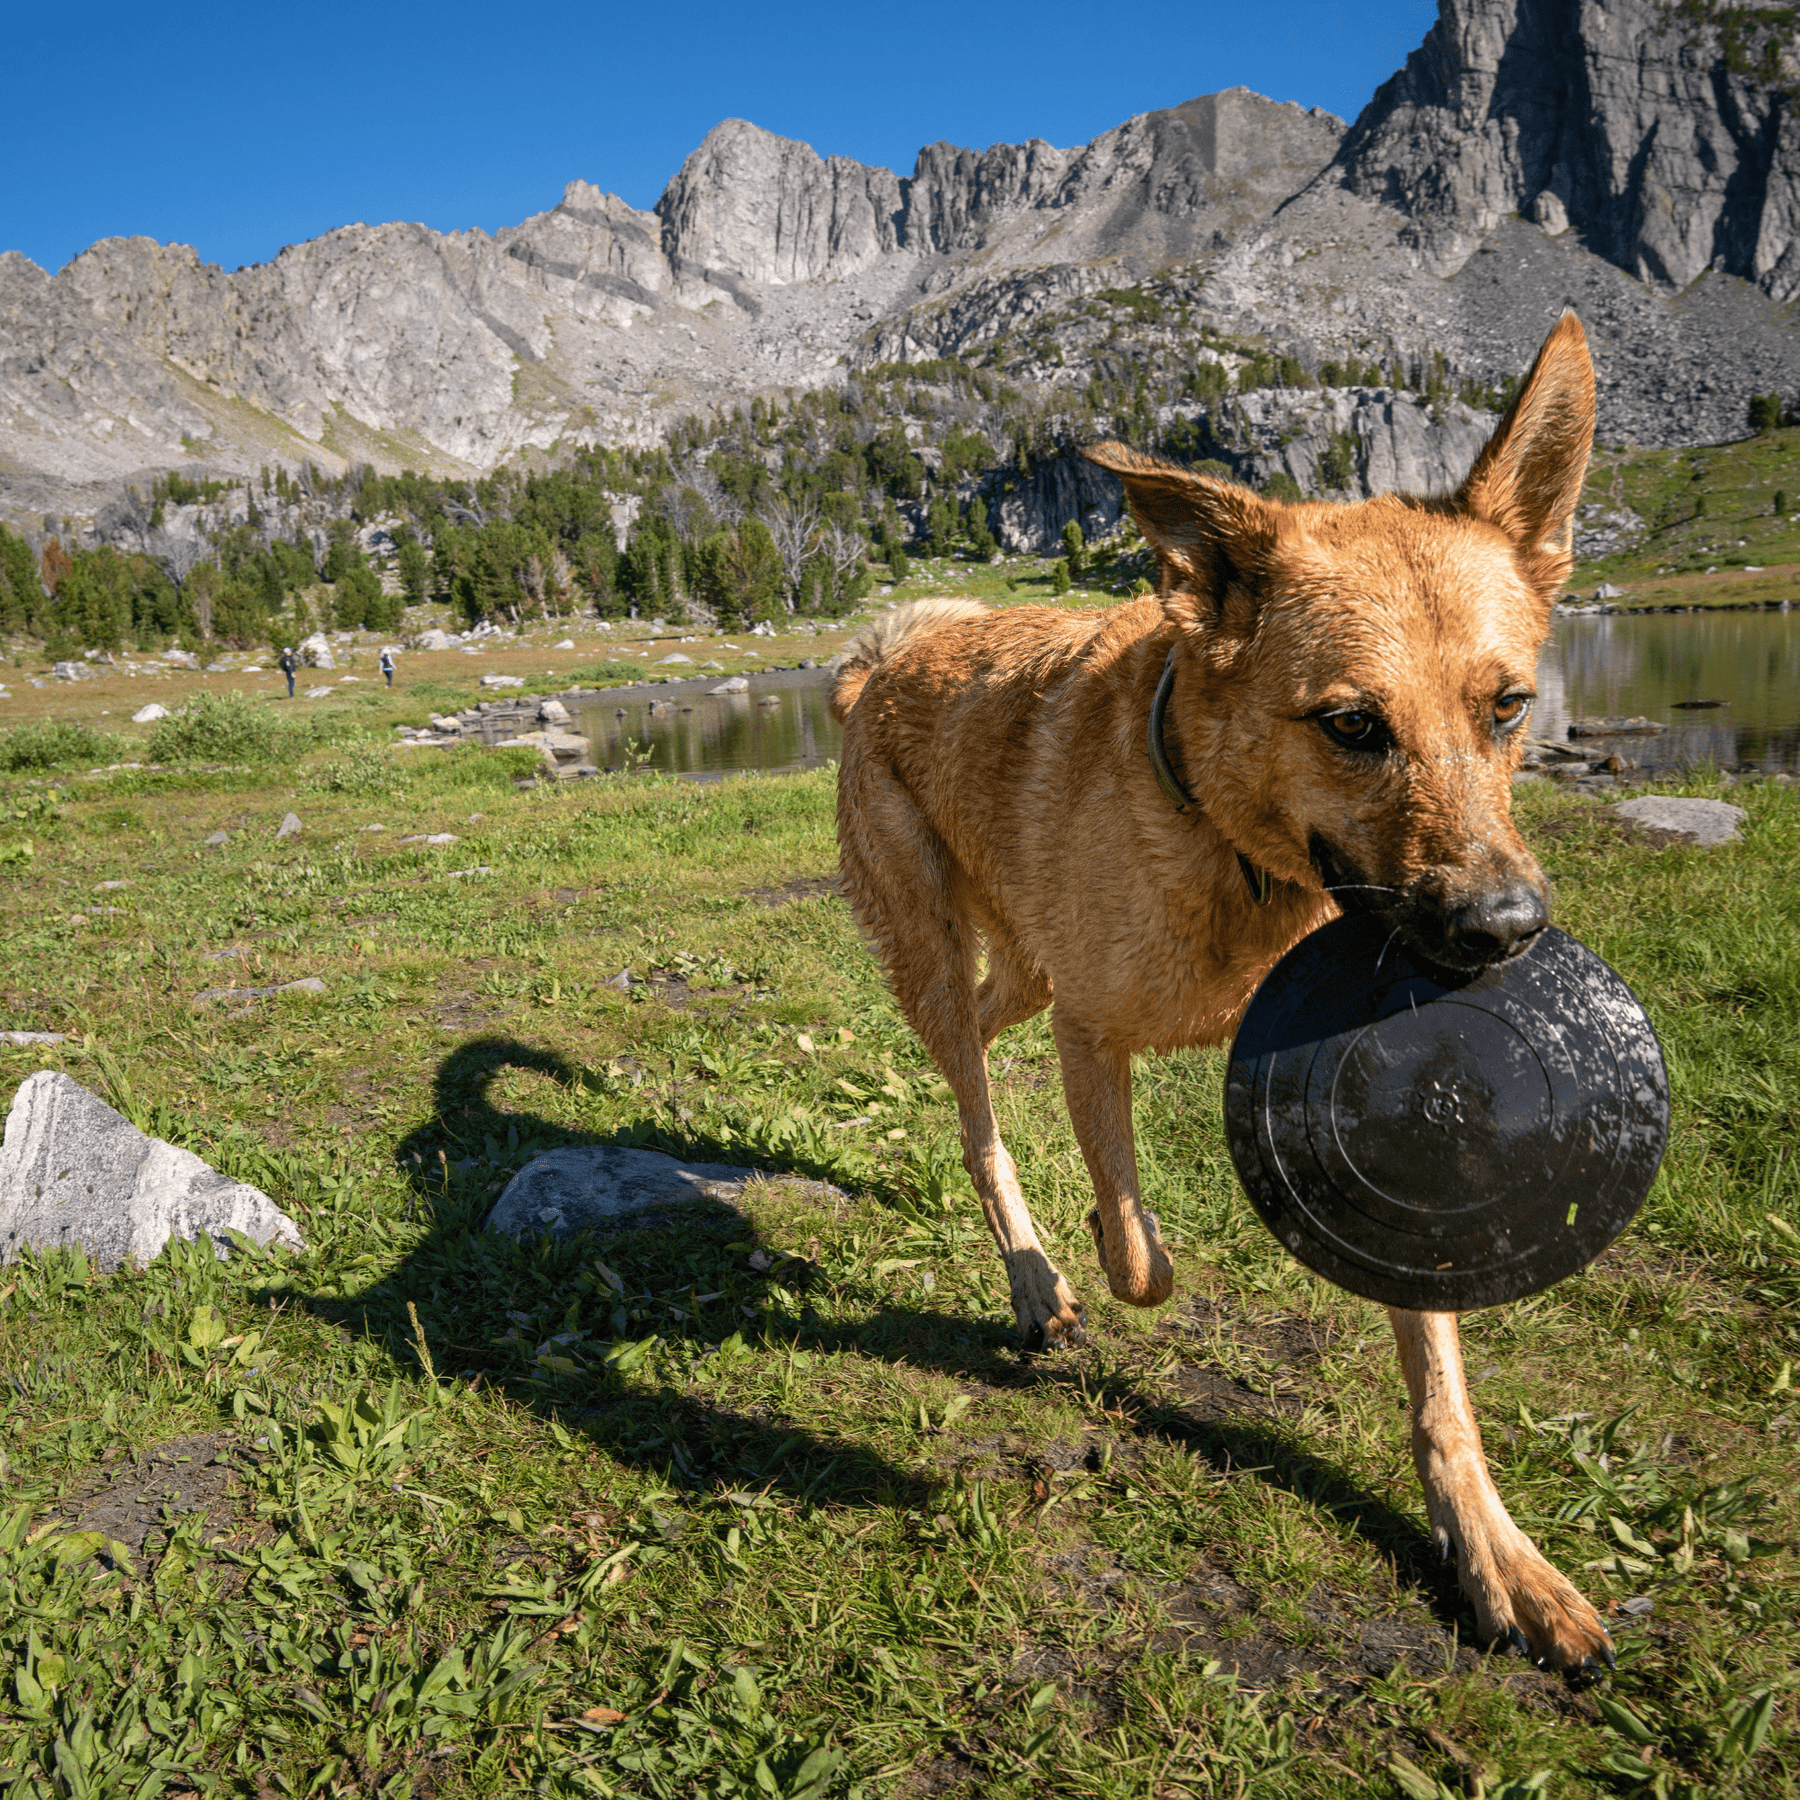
[(1356, 730), (1510, 711)]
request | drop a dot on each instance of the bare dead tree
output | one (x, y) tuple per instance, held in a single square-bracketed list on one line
[(793, 524), (688, 510), (179, 556), (844, 549)]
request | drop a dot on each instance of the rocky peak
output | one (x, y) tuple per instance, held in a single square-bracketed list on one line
[(1663, 136)]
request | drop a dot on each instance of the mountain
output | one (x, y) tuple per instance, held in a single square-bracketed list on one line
[(1637, 160)]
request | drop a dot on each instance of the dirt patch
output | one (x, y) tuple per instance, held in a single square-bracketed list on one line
[(149, 1494), (808, 887)]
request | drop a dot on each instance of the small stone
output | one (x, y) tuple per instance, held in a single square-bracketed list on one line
[(219, 837), (320, 693), (622, 980), (502, 681), (674, 656), (602, 1188), (69, 671), (1704, 822), (290, 824), (566, 644), (148, 715), (736, 685), (33, 1037), (458, 874), (107, 887)]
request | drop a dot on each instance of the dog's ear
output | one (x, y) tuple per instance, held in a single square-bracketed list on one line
[(1213, 539), (1528, 476)]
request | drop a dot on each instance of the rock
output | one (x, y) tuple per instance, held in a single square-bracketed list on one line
[(148, 715), (502, 681), (768, 700), (674, 656), (553, 712), (1615, 727), (1704, 822), (442, 722), (434, 837), (107, 887), (290, 824), (70, 671), (185, 659), (316, 651), (219, 837), (320, 693), (307, 984), (433, 640), (33, 1037), (600, 1188), (736, 685), (1606, 591), (72, 1171), (458, 874), (557, 745), (566, 644)]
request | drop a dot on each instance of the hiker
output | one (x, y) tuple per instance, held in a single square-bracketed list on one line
[(387, 666), (287, 666)]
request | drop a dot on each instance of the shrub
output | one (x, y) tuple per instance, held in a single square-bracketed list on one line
[(1765, 412), (1282, 486), (362, 769), (1059, 578), (54, 741), (221, 728)]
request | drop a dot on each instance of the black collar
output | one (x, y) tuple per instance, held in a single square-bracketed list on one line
[(1259, 881)]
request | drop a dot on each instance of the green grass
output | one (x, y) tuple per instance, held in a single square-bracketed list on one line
[(1710, 514), (769, 1505)]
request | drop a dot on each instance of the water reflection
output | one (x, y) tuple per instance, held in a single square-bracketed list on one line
[(780, 725), (1625, 665), (1616, 664)]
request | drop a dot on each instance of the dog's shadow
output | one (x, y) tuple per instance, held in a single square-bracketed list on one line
[(540, 1320)]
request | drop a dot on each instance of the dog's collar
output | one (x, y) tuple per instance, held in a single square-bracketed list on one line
[(1259, 881)]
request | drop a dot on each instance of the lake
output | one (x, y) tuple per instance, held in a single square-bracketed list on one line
[(1623, 664), (1614, 664)]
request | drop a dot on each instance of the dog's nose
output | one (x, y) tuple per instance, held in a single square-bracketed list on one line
[(1497, 924)]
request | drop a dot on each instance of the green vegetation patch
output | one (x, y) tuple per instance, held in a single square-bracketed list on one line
[(765, 1502)]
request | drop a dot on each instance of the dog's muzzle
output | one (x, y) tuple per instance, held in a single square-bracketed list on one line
[(1463, 933)]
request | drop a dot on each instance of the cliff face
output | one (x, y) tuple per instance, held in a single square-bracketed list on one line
[(1663, 136), (1531, 154)]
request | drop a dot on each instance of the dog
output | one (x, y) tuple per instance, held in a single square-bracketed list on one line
[(1341, 692)]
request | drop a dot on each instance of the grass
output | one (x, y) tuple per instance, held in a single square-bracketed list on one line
[(1713, 533), (769, 1504)]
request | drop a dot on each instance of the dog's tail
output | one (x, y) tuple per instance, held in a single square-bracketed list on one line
[(858, 660)]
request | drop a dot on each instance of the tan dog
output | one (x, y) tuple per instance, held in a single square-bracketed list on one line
[(1349, 684)]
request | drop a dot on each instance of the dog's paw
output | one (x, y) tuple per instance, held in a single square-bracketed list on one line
[(1049, 1315), (1147, 1279), (1524, 1604)]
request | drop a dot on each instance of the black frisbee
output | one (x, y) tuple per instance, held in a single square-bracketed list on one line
[(1438, 1143)]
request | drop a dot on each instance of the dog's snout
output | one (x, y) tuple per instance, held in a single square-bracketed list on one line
[(1497, 924)]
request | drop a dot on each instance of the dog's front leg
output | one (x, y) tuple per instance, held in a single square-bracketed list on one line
[(1097, 1086), (1518, 1597)]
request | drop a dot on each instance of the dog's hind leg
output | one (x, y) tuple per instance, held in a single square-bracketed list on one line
[(1518, 1597), (1097, 1086), (912, 899)]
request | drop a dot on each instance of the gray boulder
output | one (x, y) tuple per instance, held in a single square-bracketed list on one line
[(290, 826), (735, 685), (316, 652), (72, 1171), (1705, 822), (600, 1188), (432, 640)]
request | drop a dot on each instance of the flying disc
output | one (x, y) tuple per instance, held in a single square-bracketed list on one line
[(1438, 1143)]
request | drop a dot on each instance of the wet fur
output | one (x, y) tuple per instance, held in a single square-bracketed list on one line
[(996, 798)]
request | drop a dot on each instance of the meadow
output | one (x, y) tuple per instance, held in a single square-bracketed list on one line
[(768, 1503)]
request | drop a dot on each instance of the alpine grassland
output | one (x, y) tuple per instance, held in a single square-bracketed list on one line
[(767, 1502)]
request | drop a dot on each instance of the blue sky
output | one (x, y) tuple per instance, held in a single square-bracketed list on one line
[(240, 129)]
